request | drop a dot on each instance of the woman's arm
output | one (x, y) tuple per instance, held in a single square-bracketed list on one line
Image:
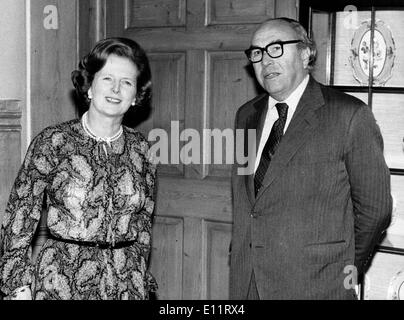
[(22, 215)]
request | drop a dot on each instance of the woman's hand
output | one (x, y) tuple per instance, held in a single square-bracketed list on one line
[(22, 293)]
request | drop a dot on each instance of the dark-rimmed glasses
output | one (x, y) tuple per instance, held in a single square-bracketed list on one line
[(274, 50)]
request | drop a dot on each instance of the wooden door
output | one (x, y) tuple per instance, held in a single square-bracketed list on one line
[(200, 78)]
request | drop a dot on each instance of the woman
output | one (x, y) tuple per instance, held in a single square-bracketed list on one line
[(96, 179)]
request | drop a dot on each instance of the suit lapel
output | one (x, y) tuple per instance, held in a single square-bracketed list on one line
[(255, 121), (303, 123)]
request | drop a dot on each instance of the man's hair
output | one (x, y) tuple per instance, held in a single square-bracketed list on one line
[(302, 35)]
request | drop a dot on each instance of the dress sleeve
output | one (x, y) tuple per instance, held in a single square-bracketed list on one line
[(22, 215), (151, 181)]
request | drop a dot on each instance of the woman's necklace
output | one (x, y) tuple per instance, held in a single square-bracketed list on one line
[(98, 138), (108, 140)]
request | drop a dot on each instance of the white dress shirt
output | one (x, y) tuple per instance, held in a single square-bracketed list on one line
[(272, 115)]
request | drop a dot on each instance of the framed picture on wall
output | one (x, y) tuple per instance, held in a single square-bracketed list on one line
[(353, 61), (345, 38)]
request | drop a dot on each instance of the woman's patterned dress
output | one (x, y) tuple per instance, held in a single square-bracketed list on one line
[(93, 192)]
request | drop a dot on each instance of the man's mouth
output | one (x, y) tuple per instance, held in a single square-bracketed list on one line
[(271, 75), (113, 100)]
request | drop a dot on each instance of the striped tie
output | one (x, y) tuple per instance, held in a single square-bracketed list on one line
[(270, 146)]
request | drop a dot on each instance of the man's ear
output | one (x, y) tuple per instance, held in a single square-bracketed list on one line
[(305, 56)]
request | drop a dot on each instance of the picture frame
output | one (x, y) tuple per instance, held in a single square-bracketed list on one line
[(384, 53), (343, 48)]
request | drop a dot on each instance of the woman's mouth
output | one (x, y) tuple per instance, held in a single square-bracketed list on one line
[(113, 100)]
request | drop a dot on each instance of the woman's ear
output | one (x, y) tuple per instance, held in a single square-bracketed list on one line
[(90, 94)]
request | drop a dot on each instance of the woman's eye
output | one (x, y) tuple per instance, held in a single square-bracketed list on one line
[(128, 83), (107, 78)]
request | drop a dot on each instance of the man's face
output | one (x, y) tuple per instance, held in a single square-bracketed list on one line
[(280, 76)]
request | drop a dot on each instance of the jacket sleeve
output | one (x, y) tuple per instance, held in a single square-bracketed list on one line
[(369, 179), (21, 218)]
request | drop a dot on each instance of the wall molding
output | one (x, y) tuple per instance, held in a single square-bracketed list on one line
[(10, 115)]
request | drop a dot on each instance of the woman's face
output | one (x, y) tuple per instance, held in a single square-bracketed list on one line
[(113, 89)]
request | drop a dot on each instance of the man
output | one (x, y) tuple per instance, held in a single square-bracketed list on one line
[(311, 214)]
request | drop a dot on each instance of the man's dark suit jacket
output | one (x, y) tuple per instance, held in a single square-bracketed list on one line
[(324, 203)]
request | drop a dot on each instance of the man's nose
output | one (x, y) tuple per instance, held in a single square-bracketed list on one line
[(266, 59)]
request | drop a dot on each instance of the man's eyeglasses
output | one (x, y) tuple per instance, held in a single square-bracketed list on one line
[(274, 50)]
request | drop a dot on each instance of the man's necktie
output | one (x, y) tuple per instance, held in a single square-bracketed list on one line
[(270, 146)]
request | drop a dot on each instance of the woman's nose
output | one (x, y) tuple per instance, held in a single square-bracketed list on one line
[(116, 87)]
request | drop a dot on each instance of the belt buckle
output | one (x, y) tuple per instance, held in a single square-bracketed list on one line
[(104, 245)]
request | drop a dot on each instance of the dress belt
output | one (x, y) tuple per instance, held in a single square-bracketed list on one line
[(100, 245)]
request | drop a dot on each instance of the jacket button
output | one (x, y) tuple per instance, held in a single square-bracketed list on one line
[(254, 214)]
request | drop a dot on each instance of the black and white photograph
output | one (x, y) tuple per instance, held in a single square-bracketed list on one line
[(222, 151)]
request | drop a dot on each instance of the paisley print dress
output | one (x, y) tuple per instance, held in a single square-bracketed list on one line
[(94, 192)]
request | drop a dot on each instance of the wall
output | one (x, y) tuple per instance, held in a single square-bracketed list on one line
[(13, 53), (53, 57), (38, 53), (12, 92)]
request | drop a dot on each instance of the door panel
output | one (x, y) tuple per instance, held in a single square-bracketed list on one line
[(168, 104), (238, 11), (145, 13), (167, 262), (215, 258), (228, 86)]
